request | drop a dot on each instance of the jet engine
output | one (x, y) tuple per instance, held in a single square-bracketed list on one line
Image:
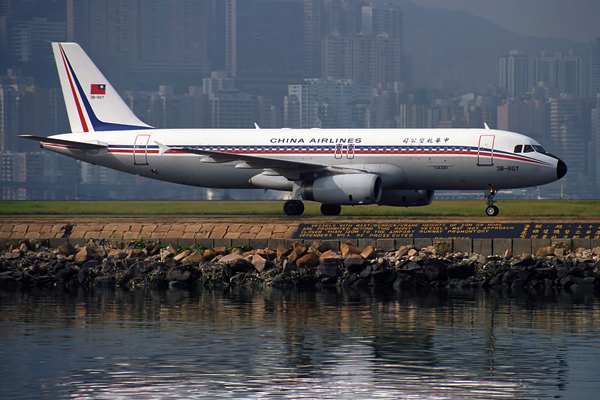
[(406, 198), (347, 189)]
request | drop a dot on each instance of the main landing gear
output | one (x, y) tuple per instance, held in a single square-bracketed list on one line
[(491, 209), (296, 207), (293, 207)]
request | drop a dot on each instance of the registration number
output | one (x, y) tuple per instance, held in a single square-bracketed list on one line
[(509, 168)]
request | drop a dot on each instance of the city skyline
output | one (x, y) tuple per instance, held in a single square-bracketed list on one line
[(414, 67), (571, 19)]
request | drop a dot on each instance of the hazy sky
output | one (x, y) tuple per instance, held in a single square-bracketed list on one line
[(572, 19)]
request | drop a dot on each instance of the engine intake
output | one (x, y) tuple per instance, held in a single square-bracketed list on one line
[(348, 189)]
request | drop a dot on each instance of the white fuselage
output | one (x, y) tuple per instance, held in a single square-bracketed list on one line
[(431, 159)]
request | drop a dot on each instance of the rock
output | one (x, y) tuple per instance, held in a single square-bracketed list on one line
[(354, 262), (366, 272), (12, 255), (237, 250), (209, 254), (116, 254), (309, 260), (135, 254), (318, 247), (230, 258), (411, 266), (328, 269), (378, 278), (347, 248), (545, 251), (403, 251), (509, 276), (267, 254), (83, 255), (330, 254), (523, 260), (259, 262), (435, 269), (413, 253), (298, 251), (182, 255), (195, 258), (220, 251), (369, 253), (180, 274), (173, 248), (348, 280), (288, 266), (66, 248), (460, 271)]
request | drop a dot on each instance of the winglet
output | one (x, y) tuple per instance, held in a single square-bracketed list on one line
[(256, 126), (486, 126)]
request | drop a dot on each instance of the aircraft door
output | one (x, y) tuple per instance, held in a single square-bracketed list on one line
[(140, 150), (485, 152)]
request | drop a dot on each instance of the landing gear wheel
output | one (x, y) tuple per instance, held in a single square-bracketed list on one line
[(492, 211), (331, 209), (293, 207)]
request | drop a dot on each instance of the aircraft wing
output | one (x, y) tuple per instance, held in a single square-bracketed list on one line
[(293, 170), (68, 143)]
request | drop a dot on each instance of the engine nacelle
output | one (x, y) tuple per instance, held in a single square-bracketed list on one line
[(406, 198), (347, 189)]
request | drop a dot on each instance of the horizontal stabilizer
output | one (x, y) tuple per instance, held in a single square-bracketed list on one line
[(67, 143)]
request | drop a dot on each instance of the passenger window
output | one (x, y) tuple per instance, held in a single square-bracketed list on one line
[(528, 149), (518, 148)]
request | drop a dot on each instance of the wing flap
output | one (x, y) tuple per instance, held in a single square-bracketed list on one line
[(291, 169)]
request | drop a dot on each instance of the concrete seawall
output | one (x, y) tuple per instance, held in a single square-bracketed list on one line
[(254, 234)]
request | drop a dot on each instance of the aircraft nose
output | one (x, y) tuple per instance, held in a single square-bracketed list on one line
[(561, 169)]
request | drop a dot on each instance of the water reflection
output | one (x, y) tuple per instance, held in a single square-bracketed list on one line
[(297, 344)]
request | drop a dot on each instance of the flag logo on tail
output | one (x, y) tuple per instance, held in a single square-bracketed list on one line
[(98, 89)]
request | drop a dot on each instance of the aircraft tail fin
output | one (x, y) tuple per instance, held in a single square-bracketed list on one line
[(92, 103)]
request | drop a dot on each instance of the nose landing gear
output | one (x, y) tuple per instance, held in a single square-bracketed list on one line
[(491, 209)]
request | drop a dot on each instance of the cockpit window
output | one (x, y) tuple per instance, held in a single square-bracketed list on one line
[(528, 149), (539, 149), (518, 148)]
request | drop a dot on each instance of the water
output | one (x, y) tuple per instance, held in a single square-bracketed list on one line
[(292, 344)]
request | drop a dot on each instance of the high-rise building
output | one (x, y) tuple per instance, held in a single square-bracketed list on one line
[(372, 57), (264, 41), (592, 68), (514, 74), (567, 138), (557, 71), (150, 36), (312, 37), (523, 116), (319, 103), (381, 19), (30, 39)]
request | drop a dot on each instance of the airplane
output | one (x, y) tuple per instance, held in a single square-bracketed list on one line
[(334, 167)]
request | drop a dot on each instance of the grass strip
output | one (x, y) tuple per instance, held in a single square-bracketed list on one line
[(467, 208)]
